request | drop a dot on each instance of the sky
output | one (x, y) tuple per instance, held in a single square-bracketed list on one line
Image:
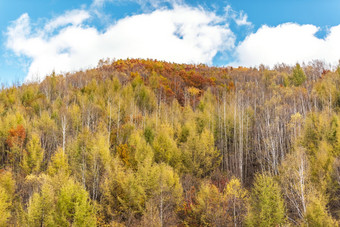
[(41, 36)]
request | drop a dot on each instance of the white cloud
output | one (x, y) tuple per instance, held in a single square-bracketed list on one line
[(158, 3), (240, 18), (74, 17), (145, 4), (99, 3), (288, 43), (182, 34)]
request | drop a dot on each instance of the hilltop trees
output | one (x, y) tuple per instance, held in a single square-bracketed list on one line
[(298, 76)]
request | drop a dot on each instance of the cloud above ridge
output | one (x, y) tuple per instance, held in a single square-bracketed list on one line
[(288, 43), (183, 34)]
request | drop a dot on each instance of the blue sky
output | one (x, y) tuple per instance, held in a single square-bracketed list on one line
[(38, 36)]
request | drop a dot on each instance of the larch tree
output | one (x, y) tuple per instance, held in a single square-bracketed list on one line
[(266, 205), (7, 193), (33, 157)]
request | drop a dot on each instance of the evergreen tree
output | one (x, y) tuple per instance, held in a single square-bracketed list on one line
[(266, 205), (298, 77)]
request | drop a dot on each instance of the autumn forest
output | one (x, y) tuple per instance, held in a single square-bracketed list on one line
[(150, 143)]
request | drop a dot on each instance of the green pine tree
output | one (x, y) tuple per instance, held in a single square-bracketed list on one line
[(266, 206), (298, 77)]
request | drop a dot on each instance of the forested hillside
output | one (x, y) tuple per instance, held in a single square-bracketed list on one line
[(149, 143)]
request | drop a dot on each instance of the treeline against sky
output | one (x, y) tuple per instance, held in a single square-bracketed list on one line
[(149, 143)]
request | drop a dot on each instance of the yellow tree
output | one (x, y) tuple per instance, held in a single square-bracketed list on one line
[(33, 157), (7, 190)]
